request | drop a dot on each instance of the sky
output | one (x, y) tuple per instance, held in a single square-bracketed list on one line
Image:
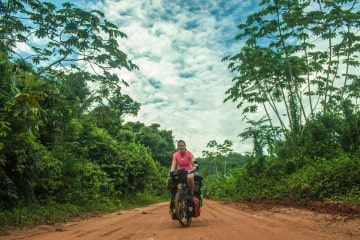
[(181, 82), (178, 46)]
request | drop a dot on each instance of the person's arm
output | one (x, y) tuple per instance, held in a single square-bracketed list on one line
[(194, 164), (173, 164)]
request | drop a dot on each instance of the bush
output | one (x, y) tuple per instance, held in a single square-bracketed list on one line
[(325, 179)]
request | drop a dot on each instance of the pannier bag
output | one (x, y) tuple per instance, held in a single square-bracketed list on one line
[(198, 183), (196, 206), (172, 210), (170, 183), (178, 176), (190, 205), (197, 187)]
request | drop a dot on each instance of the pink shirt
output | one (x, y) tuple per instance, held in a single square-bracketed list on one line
[(183, 162)]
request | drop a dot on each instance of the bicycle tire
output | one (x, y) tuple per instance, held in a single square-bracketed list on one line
[(180, 209)]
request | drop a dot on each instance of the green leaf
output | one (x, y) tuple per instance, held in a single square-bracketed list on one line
[(29, 80)]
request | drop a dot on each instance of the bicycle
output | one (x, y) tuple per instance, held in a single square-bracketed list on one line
[(183, 202)]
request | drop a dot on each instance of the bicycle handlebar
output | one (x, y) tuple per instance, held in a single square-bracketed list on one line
[(187, 171)]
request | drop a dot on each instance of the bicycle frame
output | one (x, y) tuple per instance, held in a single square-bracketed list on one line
[(183, 209)]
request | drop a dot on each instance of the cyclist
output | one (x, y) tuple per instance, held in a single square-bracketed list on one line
[(183, 158)]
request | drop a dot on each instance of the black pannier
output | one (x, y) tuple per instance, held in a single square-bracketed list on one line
[(198, 183), (197, 187), (178, 176)]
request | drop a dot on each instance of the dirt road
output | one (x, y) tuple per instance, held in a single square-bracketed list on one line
[(218, 220)]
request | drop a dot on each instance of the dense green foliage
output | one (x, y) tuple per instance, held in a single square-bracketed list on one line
[(64, 147), (319, 179), (299, 58), (160, 142), (299, 68)]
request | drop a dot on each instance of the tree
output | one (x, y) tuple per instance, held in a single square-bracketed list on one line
[(159, 142), (25, 163), (218, 153), (299, 58), (46, 95), (67, 36)]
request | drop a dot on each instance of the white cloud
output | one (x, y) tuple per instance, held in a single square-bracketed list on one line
[(181, 84)]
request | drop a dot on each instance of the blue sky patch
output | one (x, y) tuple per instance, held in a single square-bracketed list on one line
[(155, 84)]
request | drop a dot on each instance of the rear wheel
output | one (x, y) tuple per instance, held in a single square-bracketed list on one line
[(180, 209)]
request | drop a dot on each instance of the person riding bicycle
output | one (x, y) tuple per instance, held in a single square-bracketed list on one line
[(183, 158)]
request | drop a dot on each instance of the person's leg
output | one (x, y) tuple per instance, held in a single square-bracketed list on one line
[(190, 182)]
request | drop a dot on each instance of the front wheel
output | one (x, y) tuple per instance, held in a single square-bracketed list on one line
[(180, 209)]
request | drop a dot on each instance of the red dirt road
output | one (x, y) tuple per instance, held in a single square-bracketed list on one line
[(218, 221)]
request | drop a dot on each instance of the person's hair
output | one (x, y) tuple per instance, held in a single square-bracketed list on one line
[(181, 141)]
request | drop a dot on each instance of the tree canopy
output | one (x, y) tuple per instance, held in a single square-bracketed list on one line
[(300, 58), (62, 133), (296, 81)]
